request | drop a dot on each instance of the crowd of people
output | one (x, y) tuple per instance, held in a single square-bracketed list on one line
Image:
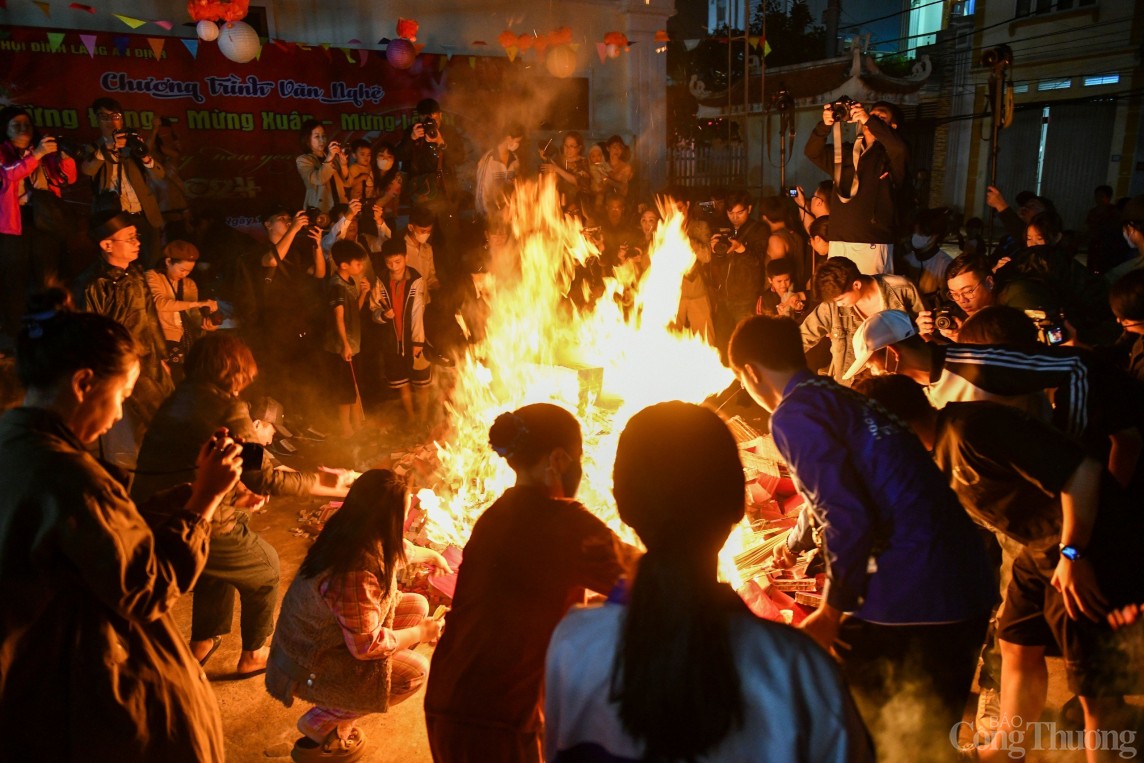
[(963, 420)]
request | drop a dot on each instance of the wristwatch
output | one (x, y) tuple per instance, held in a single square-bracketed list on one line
[(1072, 553)]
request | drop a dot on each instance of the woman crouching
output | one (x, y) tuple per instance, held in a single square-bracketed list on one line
[(346, 635)]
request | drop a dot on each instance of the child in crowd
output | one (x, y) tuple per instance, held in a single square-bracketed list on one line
[(359, 177), (397, 302), (346, 291), (780, 298)]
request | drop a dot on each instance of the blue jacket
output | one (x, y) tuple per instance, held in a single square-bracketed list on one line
[(900, 548)]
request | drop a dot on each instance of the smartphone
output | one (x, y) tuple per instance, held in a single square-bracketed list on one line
[(792, 192)]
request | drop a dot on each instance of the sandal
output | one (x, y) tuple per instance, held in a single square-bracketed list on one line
[(216, 642), (335, 748)]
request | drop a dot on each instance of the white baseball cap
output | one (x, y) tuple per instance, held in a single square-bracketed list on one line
[(876, 332)]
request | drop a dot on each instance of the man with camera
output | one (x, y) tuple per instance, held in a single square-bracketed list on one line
[(120, 166), (870, 177), (969, 286)]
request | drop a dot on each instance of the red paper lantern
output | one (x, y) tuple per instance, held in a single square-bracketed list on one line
[(400, 53)]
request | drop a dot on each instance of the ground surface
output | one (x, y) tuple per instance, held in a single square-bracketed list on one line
[(259, 728)]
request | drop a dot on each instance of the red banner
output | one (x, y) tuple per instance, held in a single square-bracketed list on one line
[(238, 123)]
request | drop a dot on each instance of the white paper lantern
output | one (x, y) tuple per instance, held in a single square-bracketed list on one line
[(239, 42), (207, 30), (560, 61)]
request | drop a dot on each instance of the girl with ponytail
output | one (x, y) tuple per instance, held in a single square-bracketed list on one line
[(530, 557), (681, 670)]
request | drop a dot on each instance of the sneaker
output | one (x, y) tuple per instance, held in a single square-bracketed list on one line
[(335, 748), (988, 713)]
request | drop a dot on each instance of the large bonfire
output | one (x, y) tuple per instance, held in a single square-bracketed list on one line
[(604, 362)]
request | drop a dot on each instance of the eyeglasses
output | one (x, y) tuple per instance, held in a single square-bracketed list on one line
[(114, 116), (127, 240), (964, 295)]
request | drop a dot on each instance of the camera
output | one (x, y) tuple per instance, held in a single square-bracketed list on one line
[(840, 109), (791, 191), (944, 318), (134, 146), (1050, 326), (429, 125), (721, 242), (252, 455)]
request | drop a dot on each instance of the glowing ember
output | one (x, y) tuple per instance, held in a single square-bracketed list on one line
[(602, 363)]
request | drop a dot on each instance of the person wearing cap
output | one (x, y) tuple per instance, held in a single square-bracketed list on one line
[(177, 300), (1090, 399), (1076, 539), (909, 586), (1133, 230), (114, 286), (849, 297)]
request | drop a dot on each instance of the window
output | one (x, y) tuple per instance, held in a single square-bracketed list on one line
[(1030, 7), (1022, 88), (1055, 84), (1102, 79)]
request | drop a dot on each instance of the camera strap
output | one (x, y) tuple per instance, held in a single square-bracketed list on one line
[(844, 197)]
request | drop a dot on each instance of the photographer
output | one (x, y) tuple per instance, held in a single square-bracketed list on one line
[(219, 368), (121, 166), (31, 168), (735, 277), (870, 181), (322, 166), (969, 286)]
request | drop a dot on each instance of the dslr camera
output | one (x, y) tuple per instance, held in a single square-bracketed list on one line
[(429, 125), (944, 318), (135, 145), (721, 242), (840, 109)]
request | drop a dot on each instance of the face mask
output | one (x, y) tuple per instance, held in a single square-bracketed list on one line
[(920, 243), (384, 164), (1127, 239), (422, 238)]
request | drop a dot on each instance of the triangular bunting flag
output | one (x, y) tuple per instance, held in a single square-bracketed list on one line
[(326, 50), (133, 23), (512, 50), (472, 62), (55, 40), (349, 55), (82, 7), (354, 41), (163, 24), (362, 56), (258, 55), (691, 44), (157, 44), (602, 51), (383, 41), (754, 41), (121, 45), (88, 41), (766, 48), (46, 8), (192, 47)]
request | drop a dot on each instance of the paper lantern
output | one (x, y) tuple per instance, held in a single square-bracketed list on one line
[(239, 42), (561, 61), (400, 53), (207, 30)]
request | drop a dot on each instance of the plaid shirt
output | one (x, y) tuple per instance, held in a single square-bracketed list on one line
[(360, 603)]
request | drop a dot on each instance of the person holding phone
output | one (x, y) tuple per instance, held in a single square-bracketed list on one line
[(322, 166)]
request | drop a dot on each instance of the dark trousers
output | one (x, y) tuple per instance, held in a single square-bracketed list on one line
[(911, 682), (238, 561)]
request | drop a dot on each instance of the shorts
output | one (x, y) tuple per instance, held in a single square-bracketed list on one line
[(399, 371), (1098, 660), (343, 389)]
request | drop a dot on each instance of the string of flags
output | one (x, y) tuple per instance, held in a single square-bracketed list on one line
[(404, 47)]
